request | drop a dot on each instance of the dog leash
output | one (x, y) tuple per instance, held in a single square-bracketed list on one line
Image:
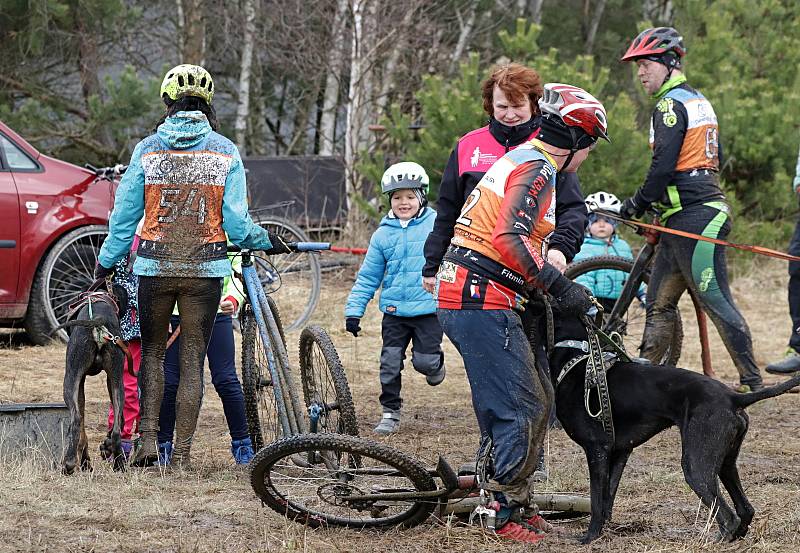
[(595, 379), (760, 250)]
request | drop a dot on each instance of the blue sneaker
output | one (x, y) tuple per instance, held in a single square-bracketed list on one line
[(242, 450), (164, 453)]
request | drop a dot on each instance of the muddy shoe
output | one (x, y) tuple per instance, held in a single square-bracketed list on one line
[(147, 453), (788, 365), (242, 451), (518, 530), (389, 423)]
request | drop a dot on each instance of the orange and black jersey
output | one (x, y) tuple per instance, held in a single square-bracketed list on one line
[(499, 247), (684, 137)]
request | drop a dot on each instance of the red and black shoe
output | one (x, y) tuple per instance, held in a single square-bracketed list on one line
[(520, 531)]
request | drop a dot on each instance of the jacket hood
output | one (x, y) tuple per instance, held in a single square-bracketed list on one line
[(184, 130), (391, 221)]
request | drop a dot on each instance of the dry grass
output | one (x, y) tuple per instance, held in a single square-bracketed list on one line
[(213, 508)]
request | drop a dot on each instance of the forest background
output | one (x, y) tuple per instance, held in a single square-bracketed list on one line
[(377, 81)]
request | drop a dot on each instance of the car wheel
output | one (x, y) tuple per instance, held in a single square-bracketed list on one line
[(65, 273)]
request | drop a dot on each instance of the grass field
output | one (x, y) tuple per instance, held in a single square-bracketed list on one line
[(213, 508)]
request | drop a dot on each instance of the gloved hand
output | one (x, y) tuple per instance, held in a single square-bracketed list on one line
[(278, 244), (352, 326), (630, 209), (100, 272), (571, 297)]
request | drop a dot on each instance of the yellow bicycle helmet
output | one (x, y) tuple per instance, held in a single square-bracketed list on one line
[(188, 80)]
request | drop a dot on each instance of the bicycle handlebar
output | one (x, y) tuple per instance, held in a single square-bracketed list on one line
[(107, 173), (294, 246)]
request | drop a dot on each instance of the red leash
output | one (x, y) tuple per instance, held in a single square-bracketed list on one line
[(746, 247), (356, 251)]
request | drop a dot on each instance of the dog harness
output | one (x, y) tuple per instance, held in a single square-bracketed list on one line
[(101, 334), (598, 363)]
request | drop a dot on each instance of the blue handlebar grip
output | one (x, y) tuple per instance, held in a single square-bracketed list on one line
[(310, 246)]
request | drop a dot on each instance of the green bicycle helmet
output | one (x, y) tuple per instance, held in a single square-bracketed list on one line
[(188, 80)]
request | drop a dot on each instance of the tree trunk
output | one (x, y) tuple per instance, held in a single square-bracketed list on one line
[(88, 66), (243, 108), (463, 37), (192, 31), (330, 101), (659, 12), (593, 17), (356, 105), (532, 9)]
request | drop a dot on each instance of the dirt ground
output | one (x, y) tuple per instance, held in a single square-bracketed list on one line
[(213, 508)]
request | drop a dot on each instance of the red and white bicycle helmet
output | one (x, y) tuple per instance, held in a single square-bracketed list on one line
[(661, 44), (575, 107)]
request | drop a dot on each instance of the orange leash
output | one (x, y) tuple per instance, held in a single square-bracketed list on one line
[(746, 247)]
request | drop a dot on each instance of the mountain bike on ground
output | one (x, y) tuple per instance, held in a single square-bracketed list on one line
[(336, 480), (272, 403)]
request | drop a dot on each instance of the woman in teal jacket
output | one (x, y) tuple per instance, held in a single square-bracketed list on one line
[(394, 263), (189, 183)]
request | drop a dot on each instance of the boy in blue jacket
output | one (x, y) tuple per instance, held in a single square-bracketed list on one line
[(394, 263), (602, 239)]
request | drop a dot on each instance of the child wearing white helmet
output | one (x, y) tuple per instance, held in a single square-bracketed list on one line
[(602, 239), (394, 263)]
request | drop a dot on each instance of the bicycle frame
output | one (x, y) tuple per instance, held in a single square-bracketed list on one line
[(287, 402), (642, 263)]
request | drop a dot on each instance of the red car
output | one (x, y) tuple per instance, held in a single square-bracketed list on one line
[(53, 219)]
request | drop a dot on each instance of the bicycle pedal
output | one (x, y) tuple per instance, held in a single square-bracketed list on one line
[(486, 516)]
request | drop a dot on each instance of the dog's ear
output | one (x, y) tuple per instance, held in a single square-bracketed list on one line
[(121, 295)]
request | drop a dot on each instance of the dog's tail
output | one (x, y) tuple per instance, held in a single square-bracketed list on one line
[(745, 400)]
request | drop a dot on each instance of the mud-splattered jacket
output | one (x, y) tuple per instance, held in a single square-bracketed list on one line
[(189, 183)]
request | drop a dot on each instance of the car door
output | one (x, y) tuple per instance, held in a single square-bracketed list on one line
[(9, 226)]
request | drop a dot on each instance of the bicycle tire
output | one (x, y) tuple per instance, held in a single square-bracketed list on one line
[(324, 379), (632, 340), (365, 465), (299, 273), (259, 399)]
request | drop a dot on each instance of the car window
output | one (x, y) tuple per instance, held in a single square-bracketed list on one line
[(16, 158)]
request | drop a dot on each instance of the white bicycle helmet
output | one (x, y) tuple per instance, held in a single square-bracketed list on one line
[(602, 201), (405, 174)]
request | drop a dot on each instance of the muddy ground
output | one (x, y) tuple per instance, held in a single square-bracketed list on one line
[(213, 508)]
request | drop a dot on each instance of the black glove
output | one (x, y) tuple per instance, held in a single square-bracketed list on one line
[(571, 297), (100, 272), (352, 326), (278, 244), (630, 209)]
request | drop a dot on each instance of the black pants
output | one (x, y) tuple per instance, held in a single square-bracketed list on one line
[(794, 289), (683, 263), (425, 335), (198, 300)]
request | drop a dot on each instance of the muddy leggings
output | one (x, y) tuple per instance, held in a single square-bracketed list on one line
[(198, 300), (683, 263)]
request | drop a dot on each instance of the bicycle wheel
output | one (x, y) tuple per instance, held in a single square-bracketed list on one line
[(325, 387), (293, 279), (631, 324), (259, 398), (317, 495)]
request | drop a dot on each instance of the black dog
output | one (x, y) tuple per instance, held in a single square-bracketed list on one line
[(646, 399), (90, 350)]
